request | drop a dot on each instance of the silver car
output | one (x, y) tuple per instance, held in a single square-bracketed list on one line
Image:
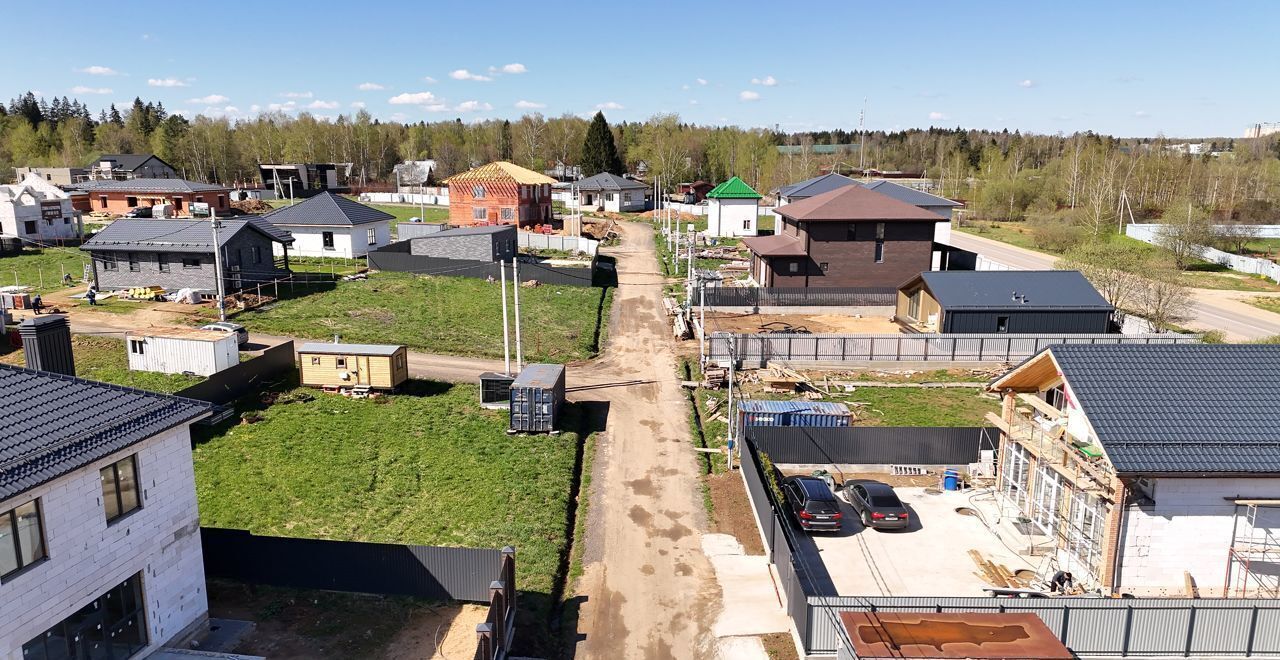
[(242, 335)]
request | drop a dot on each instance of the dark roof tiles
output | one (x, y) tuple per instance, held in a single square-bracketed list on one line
[(327, 209), (852, 203), (191, 236), (1013, 290)]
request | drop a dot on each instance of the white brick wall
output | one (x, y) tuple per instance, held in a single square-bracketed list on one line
[(1188, 529), (86, 557)]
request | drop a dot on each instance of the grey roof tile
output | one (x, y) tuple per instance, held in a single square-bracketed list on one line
[(994, 289), (149, 186), (54, 424), (909, 195), (815, 186), (327, 209), (192, 236), (606, 181)]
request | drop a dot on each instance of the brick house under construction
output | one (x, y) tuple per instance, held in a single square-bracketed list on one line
[(1147, 469), (499, 193)]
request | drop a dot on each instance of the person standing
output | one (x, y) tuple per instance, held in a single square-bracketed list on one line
[(37, 304), (92, 296)]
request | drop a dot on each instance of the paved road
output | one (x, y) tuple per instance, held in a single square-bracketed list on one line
[(1212, 309)]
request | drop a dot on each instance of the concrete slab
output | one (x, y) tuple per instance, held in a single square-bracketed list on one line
[(740, 648), (752, 604), (930, 558), (225, 634)]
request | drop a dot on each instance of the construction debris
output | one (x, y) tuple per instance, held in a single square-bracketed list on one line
[(254, 206)]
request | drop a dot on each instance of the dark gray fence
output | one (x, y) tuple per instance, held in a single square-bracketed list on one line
[(430, 572), (1180, 627), (754, 351), (801, 297), (396, 258), (248, 376), (870, 445)]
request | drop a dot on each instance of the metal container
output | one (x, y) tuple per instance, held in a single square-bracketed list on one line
[(495, 390), (537, 395), (766, 412)]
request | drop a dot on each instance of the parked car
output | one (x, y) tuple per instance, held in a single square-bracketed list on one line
[(812, 504), (242, 334), (876, 504), (138, 212)]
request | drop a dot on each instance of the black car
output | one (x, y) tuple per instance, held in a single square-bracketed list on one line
[(877, 504), (812, 503), (138, 212)]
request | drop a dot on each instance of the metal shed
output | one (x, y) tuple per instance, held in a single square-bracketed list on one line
[(495, 390), (176, 351), (537, 395), (766, 412)]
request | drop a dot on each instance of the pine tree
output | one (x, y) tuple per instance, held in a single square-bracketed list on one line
[(599, 153), (504, 142), (115, 117)]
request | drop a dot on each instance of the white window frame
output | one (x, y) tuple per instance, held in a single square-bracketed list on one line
[(1014, 474), (372, 235), (1047, 497)]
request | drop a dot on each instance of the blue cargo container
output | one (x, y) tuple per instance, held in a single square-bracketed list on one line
[(536, 397), (765, 412)]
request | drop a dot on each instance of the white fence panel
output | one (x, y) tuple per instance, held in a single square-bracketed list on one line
[(1150, 233), (428, 198), (556, 242)]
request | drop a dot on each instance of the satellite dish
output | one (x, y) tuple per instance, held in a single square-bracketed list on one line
[(346, 375)]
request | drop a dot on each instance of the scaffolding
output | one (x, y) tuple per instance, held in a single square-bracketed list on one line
[(1253, 560)]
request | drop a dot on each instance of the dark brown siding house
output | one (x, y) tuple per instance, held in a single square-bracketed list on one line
[(849, 237)]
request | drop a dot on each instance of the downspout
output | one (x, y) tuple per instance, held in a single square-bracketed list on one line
[(1111, 571)]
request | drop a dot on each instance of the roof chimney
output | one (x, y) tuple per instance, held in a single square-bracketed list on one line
[(46, 341)]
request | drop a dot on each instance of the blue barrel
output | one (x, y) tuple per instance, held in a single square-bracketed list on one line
[(950, 480)]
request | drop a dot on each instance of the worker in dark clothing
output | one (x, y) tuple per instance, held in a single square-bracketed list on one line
[(66, 279), (37, 304), (92, 296), (1061, 582)]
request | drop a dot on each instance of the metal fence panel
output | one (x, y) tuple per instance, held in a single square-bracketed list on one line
[(393, 258), (869, 445), (232, 383), (801, 296)]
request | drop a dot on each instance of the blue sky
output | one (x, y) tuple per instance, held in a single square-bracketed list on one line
[(1183, 69)]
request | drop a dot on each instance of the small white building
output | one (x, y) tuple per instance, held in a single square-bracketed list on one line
[(328, 225), (100, 553), (606, 192), (36, 210), (179, 350), (733, 208)]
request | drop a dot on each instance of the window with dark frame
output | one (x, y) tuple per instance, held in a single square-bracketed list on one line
[(21, 538), (1002, 324), (315, 360), (823, 265), (793, 267), (162, 262), (113, 625), (326, 238), (120, 488), (134, 266), (340, 363), (137, 346), (191, 262), (879, 242), (109, 262), (255, 253), (30, 227)]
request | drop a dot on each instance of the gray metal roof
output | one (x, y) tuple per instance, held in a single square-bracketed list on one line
[(539, 375), (54, 424), (996, 289), (141, 235), (330, 348), (815, 186), (469, 231), (149, 186), (329, 210), (606, 181), (909, 195), (129, 162), (1180, 408)]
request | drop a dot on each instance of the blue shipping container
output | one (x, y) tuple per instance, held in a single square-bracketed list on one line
[(766, 412)]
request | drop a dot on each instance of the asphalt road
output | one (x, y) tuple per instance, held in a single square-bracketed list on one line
[(1212, 309)]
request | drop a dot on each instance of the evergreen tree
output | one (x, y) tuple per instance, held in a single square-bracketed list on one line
[(504, 141), (114, 116), (599, 153)]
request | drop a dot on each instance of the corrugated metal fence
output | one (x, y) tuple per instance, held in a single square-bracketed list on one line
[(801, 297), (248, 376), (1151, 233), (870, 445), (556, 242), (396, 258), (754, 351)]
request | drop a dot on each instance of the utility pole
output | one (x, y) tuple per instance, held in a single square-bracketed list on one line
[(506, 337), (862, 140), (217, 264), (702, 322), (732, 443), (515, 282)]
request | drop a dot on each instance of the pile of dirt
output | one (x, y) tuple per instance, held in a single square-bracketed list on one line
[(251, 206), (682, 217)]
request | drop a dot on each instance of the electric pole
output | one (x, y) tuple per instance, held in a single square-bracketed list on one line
[(515, 282), (506, 338), (217, 264)]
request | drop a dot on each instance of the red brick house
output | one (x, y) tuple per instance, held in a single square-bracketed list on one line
[(848, 237), (114, 196), (499, 193)]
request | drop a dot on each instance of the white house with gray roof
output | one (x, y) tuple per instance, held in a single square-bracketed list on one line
[(35, 210), (606, 192), (329, 225), (100, 553)]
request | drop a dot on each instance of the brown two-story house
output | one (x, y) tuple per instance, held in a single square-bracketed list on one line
[(849, 237)]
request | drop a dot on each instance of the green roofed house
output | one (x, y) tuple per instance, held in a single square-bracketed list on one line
[(732, 209)]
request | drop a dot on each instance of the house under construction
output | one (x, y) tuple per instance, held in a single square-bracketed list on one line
[(1146, 469)]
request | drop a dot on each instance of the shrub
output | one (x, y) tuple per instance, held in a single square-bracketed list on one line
[(1054, 233)]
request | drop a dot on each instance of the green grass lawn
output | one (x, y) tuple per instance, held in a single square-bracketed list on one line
[(1271, 304), (333, 265), (440, 314), (104, 359), (892, 406), (425, 466), (35, 265)]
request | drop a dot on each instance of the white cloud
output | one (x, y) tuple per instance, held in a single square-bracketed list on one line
[(935, 115), (412, 98), (224, 111), (684, 87), (429, 80), (463, 74), (1141, 114), (324, 105), (399, 116), (748, 95), (435, 107), (473, 106), (255, 109), (609, 105), (81, 89), (288, 106), (212, 99), (98, 71), (146, 37), (767, 81), (529, 105), (693, 101), (514, 67), (369, 87), (701, 81), (166, 82), (296, 95), (1027, 83), (358, 105)]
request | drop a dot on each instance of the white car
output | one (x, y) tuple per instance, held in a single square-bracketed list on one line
[(242, 335)]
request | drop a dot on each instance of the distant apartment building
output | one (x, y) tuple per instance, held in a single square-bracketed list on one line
[(1262, 129), (58, 176)]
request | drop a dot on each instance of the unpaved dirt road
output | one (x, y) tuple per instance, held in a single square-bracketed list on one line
[(649, 591)]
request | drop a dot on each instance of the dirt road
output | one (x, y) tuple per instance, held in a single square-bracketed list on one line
[(649, 591)]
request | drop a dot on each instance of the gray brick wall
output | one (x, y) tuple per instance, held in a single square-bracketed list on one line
[(472, 247), (201, 278)]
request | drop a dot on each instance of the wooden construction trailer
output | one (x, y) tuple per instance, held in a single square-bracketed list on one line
[(342, 366)]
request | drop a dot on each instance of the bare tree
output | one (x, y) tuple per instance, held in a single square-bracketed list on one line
[(1235, 235), (1185, 231), (1161, 298), (1111, 267)]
